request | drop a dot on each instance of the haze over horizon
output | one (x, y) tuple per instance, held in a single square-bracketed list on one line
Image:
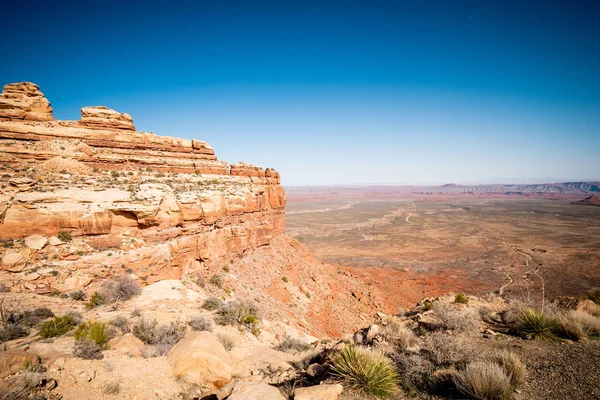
[(334, 93)]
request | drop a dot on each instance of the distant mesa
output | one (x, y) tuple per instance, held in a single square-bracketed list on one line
[(593, 200)]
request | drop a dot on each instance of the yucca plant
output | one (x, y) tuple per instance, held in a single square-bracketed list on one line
[(537, 325), (365, 370)]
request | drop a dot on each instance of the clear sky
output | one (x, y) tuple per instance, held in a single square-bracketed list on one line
[(334, 92)]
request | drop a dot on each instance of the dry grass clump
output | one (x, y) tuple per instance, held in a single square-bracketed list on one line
[(212, 303), (512, 366), (161, 338), (228, 341), (465, 320), (119, 288), (484, 380), (446, 350), (200, 323), (25, 386), (122, 323), (399, 335), (365, 370), (291, 344), (536, 325), (577, 325), (593, 295), (415, 371), (87, 349)]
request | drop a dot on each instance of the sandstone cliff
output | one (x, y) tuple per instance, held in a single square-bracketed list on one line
[(98, 178)]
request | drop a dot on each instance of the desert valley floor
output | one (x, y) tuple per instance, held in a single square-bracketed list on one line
[(414, 247)]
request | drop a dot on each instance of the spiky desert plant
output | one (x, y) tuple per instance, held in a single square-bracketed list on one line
[(365, 370), (536, 324), (484, 380)]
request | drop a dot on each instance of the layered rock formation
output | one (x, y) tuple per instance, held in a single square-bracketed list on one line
[(158, 206)]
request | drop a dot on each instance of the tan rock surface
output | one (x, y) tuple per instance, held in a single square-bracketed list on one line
[(12, 361), (256, 391), (127, 344), (35, 242), (13, 262), (200, 359), (319, 392)]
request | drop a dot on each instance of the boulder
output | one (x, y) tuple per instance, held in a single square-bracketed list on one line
[(35, 242), (13, 262), (54, 241), (256, 391), (12, 361), (127, 344), (319, 392), (74, 283), (201, 359)]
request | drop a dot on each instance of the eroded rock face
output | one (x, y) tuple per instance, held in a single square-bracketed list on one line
[(24, 101), (167, 205)]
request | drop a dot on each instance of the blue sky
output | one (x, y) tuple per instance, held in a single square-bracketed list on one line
[(334, 92)]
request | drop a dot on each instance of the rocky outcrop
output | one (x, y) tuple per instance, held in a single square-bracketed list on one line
[(24, 101), (200, 359), (99, 180), (593, 200)]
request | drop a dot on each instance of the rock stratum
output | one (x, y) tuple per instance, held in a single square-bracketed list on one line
[(169, 198), (84, 200)]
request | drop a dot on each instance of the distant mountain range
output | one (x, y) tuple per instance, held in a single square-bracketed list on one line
[(566, 188)]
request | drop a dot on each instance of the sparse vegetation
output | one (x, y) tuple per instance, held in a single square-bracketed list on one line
[(122, 323), (12, 332), (594, 295), (57, 326), (237, 312), (216, 280), (536, 325), (65, 236), (513, 367), (96, 332), (200, 323), (461, 298), (78, 295), (96, 300), (87, 349), (227, 341), (399, 335), (120, 288), (293, 344), (212, 303), (161, 337), (365, 370), (465, 320), (484, 380)]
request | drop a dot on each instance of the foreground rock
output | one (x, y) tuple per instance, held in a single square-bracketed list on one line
[(12, 361), (320, 392), (256, 391), (201, 359)]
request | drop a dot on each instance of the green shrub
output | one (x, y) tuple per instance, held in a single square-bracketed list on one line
[(97, 332), (96, 300), (536, 325), (237, 312), (212, 303), (285, 279), (65, 236), (216, 280), (593, 295), (57, 326), (484, 381), (365, 370), (461, 298)]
